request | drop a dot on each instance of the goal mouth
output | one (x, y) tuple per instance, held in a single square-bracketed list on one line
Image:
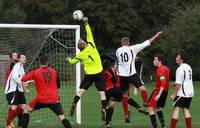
[(56, 41)]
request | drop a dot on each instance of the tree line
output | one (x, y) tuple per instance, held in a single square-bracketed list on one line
[(113, 19)]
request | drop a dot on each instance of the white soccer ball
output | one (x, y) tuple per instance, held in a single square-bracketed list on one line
[(78, 15)]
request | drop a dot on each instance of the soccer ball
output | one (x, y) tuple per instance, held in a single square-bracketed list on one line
[(78, 15)]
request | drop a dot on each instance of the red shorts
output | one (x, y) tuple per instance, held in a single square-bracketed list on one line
[(32, 103)]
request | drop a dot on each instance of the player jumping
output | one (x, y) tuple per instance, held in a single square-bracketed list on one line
[(126, 66), (90, 57)]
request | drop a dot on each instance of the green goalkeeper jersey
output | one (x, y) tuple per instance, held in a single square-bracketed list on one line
[(89, 56)]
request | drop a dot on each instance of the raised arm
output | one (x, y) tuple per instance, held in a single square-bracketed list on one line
[(151, 40), (89, 34)]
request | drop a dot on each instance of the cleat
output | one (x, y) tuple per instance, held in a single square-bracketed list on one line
[(103, 113), (127, 120), (108, 125), (163, 126), (142, 110), (72, 111)]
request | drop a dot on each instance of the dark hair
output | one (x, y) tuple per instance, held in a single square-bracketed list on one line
[(160, 57), (10, 55), (182, 55), (43, 60), (20, 54)]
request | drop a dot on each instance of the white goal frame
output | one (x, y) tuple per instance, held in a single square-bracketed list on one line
[(77, 36)]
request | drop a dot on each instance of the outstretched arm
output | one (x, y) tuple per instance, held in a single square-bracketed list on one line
[(89, 35), (151, 40)]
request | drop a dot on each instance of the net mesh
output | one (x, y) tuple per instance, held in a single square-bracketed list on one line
[(57, 44)]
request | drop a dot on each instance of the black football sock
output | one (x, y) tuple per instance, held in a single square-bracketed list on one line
[(111, 110), (25, 120), (153, 120), (66, 123), (104, 104), (161, 117), (19, 120), (133, 103), (76, 99)]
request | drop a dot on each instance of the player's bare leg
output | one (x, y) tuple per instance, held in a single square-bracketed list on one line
[(188, 118), (144, 95), (76, 99), (174, 119), (104, 104), (161, 117)]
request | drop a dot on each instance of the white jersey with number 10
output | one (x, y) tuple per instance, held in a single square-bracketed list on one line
[(126, 58)]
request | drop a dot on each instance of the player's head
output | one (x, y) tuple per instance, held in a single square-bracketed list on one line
[(21, 58), (158, 60), (81, 44), (125, 41), (13, 56), (180, 58), (44, 60)]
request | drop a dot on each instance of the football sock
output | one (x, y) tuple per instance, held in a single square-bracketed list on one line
[(66, 123), (188, 122), (144, 96), (104, 104), (153, 120), (76, 99), (125, 105), (25, 120), (173, 123), (133, 103), (161, 117), (11, 116)]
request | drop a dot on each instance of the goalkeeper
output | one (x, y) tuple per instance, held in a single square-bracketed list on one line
[(90, 57)]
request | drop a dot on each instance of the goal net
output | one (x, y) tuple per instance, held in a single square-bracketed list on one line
[(56, 41)]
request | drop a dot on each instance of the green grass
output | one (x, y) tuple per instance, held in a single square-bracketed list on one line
[(91, 117)]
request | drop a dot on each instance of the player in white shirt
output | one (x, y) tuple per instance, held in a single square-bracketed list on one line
[(126, 66), (183, 92), (14, 91)]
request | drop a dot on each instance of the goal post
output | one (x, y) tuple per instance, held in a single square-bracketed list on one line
[(58, 42)]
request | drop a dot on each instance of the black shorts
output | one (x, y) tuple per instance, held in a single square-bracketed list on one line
[(162, 100), (114, 94), (16, 98), (134, 79), (98, 79), (56, 108), (182, 102)]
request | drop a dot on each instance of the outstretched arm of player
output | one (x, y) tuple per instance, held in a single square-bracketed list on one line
[(151, 40), (89, 35), (29, 76), (73, 60)]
